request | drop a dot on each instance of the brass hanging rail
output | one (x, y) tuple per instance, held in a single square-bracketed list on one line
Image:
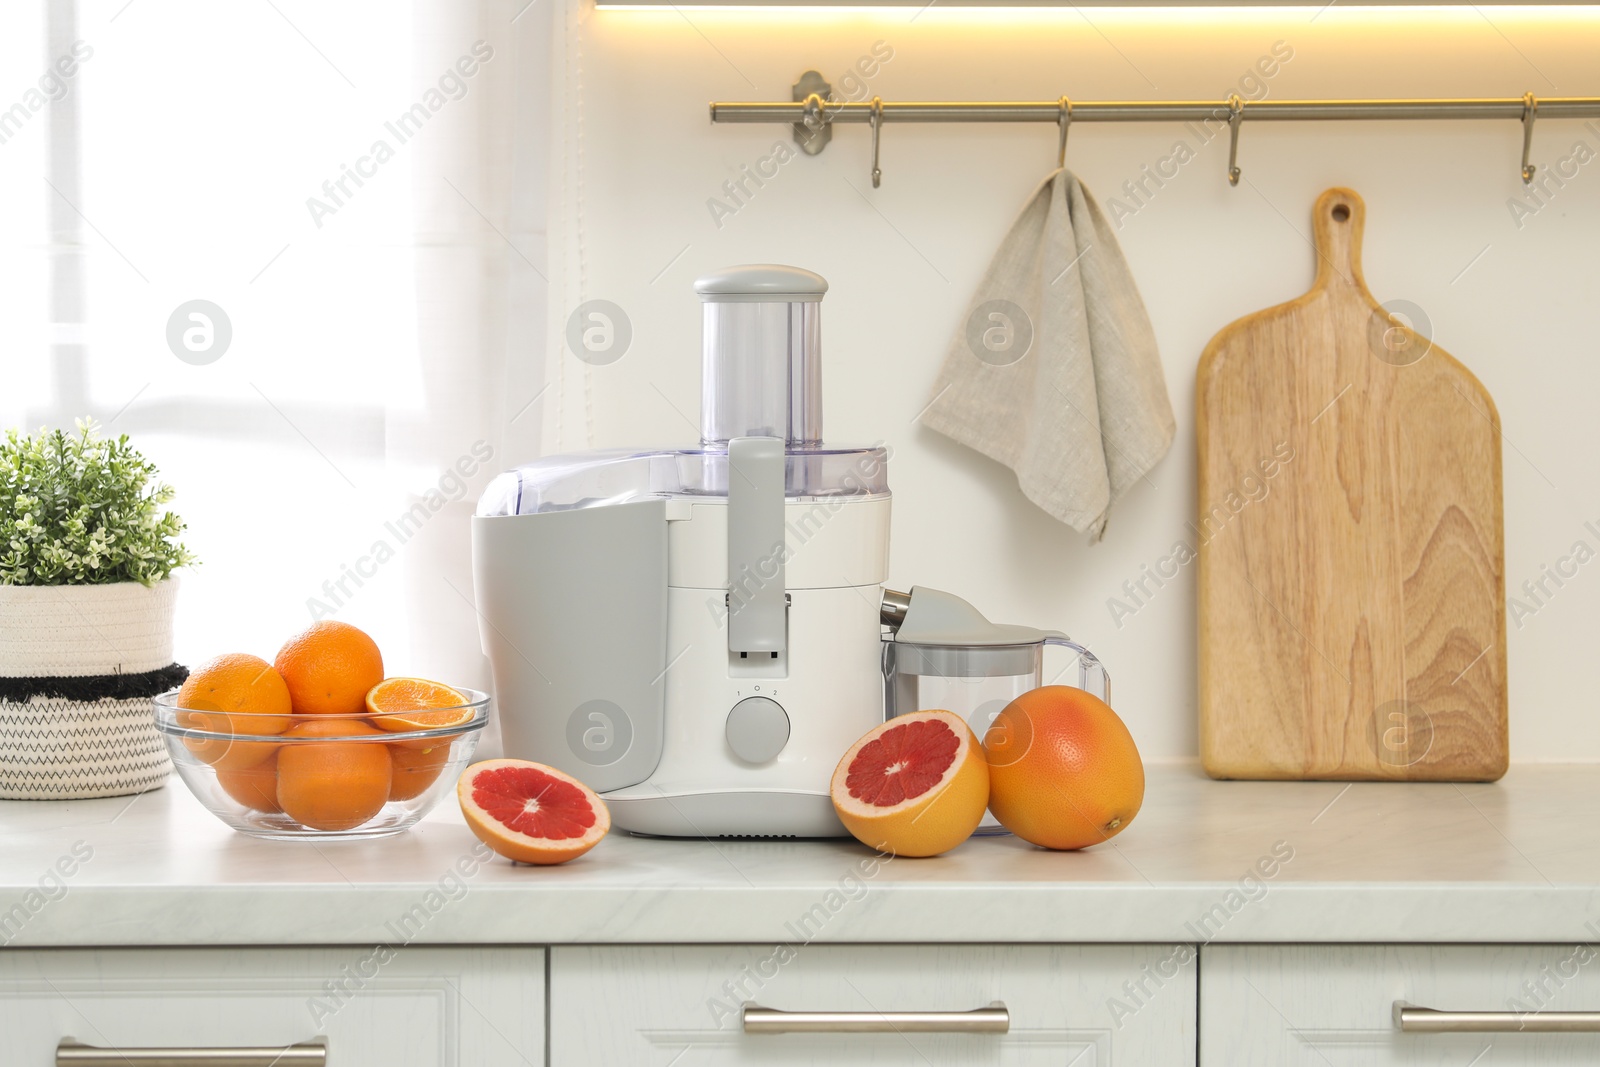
[(1550, 107), (813, 114)]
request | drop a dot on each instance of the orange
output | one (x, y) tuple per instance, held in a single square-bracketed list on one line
[(531, 813), (1063, 769), (234, 694), (400, 704), (329, 666), (337, 785), (254, 787), (415, 769), (914, 786)]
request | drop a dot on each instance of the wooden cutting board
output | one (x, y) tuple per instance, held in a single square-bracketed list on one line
[(1350, 540)]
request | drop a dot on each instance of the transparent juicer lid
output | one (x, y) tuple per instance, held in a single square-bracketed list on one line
[(761, 376)]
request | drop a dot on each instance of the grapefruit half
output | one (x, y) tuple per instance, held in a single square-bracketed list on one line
[(915, 786), (531, 813)]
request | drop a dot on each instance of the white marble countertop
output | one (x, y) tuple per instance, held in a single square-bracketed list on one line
[(1517, 860)]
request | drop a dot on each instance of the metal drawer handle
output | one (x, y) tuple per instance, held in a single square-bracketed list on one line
[(1414, 1020), (69, 1053), (995, 1019)]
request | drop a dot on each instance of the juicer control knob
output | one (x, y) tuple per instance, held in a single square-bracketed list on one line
[(758, 728)]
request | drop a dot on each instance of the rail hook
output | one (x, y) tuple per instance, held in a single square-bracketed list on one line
[(1235, 120), (1530, 111), (877, 124), (1064, 120)]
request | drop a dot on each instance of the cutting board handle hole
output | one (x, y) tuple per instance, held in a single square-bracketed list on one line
[(1341, 213)]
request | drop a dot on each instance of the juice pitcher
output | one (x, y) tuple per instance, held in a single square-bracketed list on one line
[(940, 652)]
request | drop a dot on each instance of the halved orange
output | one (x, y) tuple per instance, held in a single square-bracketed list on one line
[(531, 813), (402, 704), (915, 786)]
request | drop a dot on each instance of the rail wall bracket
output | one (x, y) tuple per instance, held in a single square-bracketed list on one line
[(814, 133)]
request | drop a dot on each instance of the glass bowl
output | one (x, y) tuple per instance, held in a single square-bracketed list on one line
[(325, 777)]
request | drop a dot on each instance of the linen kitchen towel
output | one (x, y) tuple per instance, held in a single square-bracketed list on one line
[(1054, 370)]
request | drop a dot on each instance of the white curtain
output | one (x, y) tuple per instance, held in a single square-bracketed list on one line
[(360, 189)]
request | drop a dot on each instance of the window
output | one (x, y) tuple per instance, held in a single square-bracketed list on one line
[(287, 247)]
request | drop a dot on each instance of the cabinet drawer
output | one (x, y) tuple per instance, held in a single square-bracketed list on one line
[(1334, 1004), (683, 1005), (373, 1006)]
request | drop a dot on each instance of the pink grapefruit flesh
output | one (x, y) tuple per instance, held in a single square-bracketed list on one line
[(915, 786), (531, 813)]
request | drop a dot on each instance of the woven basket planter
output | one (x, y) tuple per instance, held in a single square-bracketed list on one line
[(78, 666)]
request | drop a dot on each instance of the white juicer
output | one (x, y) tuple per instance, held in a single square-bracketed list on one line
[(695, 633)]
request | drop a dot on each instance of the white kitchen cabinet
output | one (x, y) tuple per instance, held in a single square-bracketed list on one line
[(681, 1005), (417, 1006), (1333, 1005)]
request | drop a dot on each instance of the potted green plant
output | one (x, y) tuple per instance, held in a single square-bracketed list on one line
[(87, 554)]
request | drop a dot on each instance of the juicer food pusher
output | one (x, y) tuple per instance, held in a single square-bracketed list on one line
[(699, 634)]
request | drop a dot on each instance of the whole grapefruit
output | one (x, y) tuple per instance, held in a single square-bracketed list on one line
[(1064, 772)]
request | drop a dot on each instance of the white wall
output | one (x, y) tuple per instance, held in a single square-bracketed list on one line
[(630, 223)]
